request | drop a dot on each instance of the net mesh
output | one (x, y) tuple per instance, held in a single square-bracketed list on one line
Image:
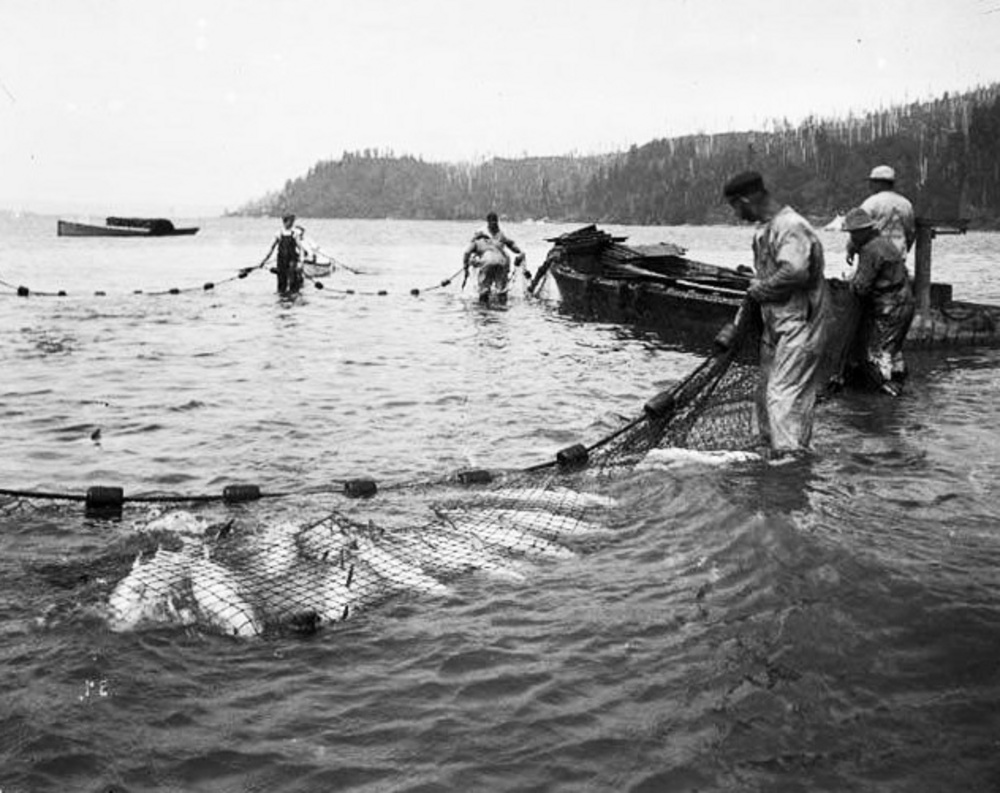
[(416, 538)]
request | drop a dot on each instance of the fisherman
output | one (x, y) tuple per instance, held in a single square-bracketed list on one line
[(487, 252), (882, 283), (305, 254), (891, 212), (287, 242), (791, 292)]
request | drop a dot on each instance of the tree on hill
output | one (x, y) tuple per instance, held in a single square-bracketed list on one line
[(946, 153)]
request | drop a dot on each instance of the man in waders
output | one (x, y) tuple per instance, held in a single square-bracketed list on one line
[(289, 254), (883, 285), (791, 291), (487, 253)]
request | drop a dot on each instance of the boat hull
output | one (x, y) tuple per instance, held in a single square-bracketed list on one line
[(686, 315), (66, 228), (690, 314)]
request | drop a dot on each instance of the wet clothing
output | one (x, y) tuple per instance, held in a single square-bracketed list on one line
[(289, 275), (893, 216), (487, 253), (792, 293), (882, 284)]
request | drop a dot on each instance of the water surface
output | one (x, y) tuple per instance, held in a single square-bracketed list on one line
[(830, 625)]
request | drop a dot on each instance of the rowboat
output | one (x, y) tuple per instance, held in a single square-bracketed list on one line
[(316, 269), (314, 262), (652, 286), (123, 227), (658, 287)]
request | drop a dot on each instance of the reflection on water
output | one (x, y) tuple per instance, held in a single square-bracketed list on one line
[(824, 624)]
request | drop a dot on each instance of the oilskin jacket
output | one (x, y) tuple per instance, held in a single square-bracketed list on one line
[(792, 293)]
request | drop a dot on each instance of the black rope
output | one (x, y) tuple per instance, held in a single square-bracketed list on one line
[(41, 495), (208, 286), (232, 493), (23, 291), (384, 292)]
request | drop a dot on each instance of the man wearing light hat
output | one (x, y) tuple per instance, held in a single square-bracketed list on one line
[(791, 291), (881, 282), (891, 212)]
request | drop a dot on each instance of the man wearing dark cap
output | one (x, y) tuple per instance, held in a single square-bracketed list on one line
[(882, 284), (486, 252), (791, 291)]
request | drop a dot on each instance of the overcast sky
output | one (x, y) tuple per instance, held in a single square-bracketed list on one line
[(188, 107)]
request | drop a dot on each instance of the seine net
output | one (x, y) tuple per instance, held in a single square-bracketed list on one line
[(249, 580)]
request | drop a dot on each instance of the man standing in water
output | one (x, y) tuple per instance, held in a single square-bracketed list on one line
[(487, 253), (891, 213), (792, 294), (289, 255), (883, 285)]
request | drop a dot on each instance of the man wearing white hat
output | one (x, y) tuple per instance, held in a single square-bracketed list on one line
[(891, 212)]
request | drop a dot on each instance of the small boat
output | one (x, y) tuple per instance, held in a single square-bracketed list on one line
[(314, 263), (655, 286), (124, 227), (315, 269), (658, 287)]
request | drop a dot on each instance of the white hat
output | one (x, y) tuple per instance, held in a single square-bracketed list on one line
[(883, 173)]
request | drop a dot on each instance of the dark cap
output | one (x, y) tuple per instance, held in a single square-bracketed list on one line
[(288, 217), (743, 184), (491, 216)]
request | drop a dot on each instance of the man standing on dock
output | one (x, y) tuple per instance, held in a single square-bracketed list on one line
[(790, 288), (487, 252), (882, 284), (892, 213)]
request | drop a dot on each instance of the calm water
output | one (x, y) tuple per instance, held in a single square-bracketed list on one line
[(827, 626)]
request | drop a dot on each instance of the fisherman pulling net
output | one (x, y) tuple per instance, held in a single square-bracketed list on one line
[(249, 580)]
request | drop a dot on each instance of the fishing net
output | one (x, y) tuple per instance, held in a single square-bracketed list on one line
[(243, 579)]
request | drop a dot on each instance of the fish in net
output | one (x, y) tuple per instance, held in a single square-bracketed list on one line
[(418, 538)]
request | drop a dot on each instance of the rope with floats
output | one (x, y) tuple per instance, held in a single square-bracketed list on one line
[(24, 291), (108, 501), (19, 290)]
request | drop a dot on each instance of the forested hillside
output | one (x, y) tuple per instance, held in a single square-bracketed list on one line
[(946, 153)]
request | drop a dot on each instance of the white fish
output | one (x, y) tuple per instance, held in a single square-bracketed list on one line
[(309, 587), (397, 570), (276, 548), (220, 600), (180, 522), (323, 542), (338, 601), (545, 523), (509, 538), (453, 552), (550, 498), (666, 458), (147, 592)]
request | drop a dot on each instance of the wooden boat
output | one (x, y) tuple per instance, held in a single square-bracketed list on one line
[(652, 286), (316, 269), (658, 287), (124, 227)]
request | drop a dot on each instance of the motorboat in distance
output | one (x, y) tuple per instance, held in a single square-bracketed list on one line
[(124, 227)]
